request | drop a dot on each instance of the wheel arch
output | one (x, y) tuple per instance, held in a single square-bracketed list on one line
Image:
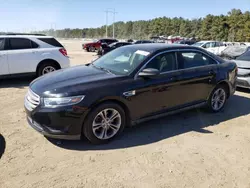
[(224, 83), (116, 100)]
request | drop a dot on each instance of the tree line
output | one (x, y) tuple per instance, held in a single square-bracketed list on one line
[(235, 27)]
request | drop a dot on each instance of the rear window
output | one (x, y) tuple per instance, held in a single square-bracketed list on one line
[(51, 41)]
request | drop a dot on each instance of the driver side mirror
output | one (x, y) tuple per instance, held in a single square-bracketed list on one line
[(149, 72)]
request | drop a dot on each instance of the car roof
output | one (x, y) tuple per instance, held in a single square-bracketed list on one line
[(24, 36), (204, 41), (123, 42), (107, 39), (154, 47)]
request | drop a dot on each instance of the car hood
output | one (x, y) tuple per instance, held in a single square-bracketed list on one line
[(242, 64), (66, 82)]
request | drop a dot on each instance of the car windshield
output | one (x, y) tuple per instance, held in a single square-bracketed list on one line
[(122, 61), (198, 44), (244, 57), (112, 44)]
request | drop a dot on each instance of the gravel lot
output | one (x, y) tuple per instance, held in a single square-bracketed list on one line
[(192, 149)]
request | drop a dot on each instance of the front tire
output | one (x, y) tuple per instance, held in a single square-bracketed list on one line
[(104, 123), (217, 99)]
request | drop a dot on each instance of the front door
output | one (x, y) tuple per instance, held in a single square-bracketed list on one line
[(156, 94), (4, 68)]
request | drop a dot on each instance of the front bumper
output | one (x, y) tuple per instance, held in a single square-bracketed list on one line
[(243, 82), (57, 123), (46, 132)]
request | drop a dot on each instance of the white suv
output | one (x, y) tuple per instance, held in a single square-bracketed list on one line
[(24, 54)]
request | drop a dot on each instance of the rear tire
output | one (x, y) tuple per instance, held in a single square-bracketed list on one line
[(46, 68), (104, 123), (217, 99)]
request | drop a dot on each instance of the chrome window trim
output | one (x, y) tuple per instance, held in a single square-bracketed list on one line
[(176, 51)]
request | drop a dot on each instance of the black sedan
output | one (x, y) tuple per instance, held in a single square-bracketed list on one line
[(127, 86), (107, 48)]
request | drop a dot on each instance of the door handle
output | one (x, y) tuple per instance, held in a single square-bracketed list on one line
[(211, 72)]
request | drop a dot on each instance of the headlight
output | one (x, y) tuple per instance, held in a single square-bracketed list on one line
[(65, 101)]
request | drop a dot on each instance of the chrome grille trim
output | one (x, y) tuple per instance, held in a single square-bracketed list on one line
[(32, 100)]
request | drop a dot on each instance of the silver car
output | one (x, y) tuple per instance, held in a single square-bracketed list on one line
[(241, 56), (243, 77)]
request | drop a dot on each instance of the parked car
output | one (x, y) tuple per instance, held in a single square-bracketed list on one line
[(241, 56), (187, 42), (31, 54), (107, 48), (208, 44), (95, 45), (127, 86), (143, 41)]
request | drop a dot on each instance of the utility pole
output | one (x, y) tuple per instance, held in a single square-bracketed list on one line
[(106, 23), (110, 10), (114, 23)]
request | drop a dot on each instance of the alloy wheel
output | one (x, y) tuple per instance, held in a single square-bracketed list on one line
[(106, 124), (48, 69), (218, 99)]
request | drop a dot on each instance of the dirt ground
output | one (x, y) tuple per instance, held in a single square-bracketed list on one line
[(192, 149)]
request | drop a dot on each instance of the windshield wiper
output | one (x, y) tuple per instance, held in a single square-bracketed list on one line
[(101, 68)]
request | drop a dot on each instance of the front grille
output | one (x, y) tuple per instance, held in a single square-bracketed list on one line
[(32, 100)]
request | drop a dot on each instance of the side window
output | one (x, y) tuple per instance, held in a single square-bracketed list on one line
[(109, 41), (193, 59), (164, 62), (214, 44), (2, 44), (20, 43), (208, 45)]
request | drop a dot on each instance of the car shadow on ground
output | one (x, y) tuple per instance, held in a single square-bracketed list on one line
[(157, 130), (16, 82), (2, 145)]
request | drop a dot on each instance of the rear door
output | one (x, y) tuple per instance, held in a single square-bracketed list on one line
[(4, 68), (22, 56), (197, 76)]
